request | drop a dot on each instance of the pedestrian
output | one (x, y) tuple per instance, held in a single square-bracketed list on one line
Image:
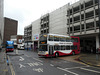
[(91, 50), (97, 50)]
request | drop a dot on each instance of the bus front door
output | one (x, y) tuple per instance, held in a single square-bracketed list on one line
[(51, 51)]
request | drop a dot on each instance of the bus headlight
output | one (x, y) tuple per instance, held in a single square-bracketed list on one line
[(46, 53)]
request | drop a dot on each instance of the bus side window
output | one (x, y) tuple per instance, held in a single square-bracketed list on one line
[(67, 47), (63, 47), (51, 38), (62, 39), (56, 48), (68, 39), (56, 38)]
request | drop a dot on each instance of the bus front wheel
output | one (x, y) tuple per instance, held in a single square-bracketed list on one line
[(56, 54)]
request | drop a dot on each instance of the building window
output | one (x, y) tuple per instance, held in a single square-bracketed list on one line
[(89, 14), (70, 20), (89, 4), (70, 11), (96, 1), (82, 16), (70, 29), (76, 9), (77, 18), (96, 12), (90, 26), (76, 28), (82, 27), (82, 6), (97, 24)]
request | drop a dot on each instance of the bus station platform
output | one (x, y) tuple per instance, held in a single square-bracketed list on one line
[(85, 58)]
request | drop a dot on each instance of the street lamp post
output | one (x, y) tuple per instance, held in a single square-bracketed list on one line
[(99, 19), (97, 56)]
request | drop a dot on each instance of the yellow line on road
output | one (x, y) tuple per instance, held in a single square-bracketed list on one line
[(11, 67)]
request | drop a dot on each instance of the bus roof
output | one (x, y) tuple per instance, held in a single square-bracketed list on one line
[(9, 42), (58, 35)]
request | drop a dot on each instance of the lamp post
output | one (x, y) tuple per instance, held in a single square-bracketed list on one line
[(97, 56), (99, 19)]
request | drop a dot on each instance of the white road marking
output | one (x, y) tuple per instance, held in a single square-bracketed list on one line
[(90, 70), (21, 65), (35, 64), (21, 59), (67, 71), (37, 59), (38, 69), (65, 74), (77, 67), (51, 65)]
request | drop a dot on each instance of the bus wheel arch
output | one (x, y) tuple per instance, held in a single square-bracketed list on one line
[(56, 54)]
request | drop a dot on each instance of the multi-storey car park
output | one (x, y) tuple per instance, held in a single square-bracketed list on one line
[(78, 19)]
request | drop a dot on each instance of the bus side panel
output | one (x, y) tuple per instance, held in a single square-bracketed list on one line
[(62, 54)]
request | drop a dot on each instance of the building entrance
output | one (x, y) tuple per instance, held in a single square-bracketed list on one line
[(88, 45), (36, 46)]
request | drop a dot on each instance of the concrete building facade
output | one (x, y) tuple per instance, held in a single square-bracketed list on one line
[(78, 19), (10, 28), (54, 22), (57, 21), (83, 21), (1, 21), (28, 33)]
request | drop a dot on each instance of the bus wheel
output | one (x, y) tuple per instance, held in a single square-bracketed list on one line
[(56, 54), (73, 53)]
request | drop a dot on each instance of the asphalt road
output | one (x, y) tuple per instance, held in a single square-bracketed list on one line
[(31, 64)]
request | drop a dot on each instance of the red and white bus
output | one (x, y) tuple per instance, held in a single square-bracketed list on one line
[(58, 45)]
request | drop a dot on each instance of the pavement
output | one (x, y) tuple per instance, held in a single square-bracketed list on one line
[(84, 58), (91, 59), (3, 64)]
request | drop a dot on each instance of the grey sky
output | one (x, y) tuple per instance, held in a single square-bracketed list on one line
[(26, 11)]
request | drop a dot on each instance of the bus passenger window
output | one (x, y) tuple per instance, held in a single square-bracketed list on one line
[(67, 47), (63, 39), (56, 47), (63, 48), (68, 39), (56, 38), (51, 38)]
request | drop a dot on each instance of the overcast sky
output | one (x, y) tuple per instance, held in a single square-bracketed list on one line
[(27, 11)]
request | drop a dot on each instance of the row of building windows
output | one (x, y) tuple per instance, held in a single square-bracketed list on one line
[(45, 31), (89, 26), (44, 24), (45, 19), (81, 17), (81, 6)]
